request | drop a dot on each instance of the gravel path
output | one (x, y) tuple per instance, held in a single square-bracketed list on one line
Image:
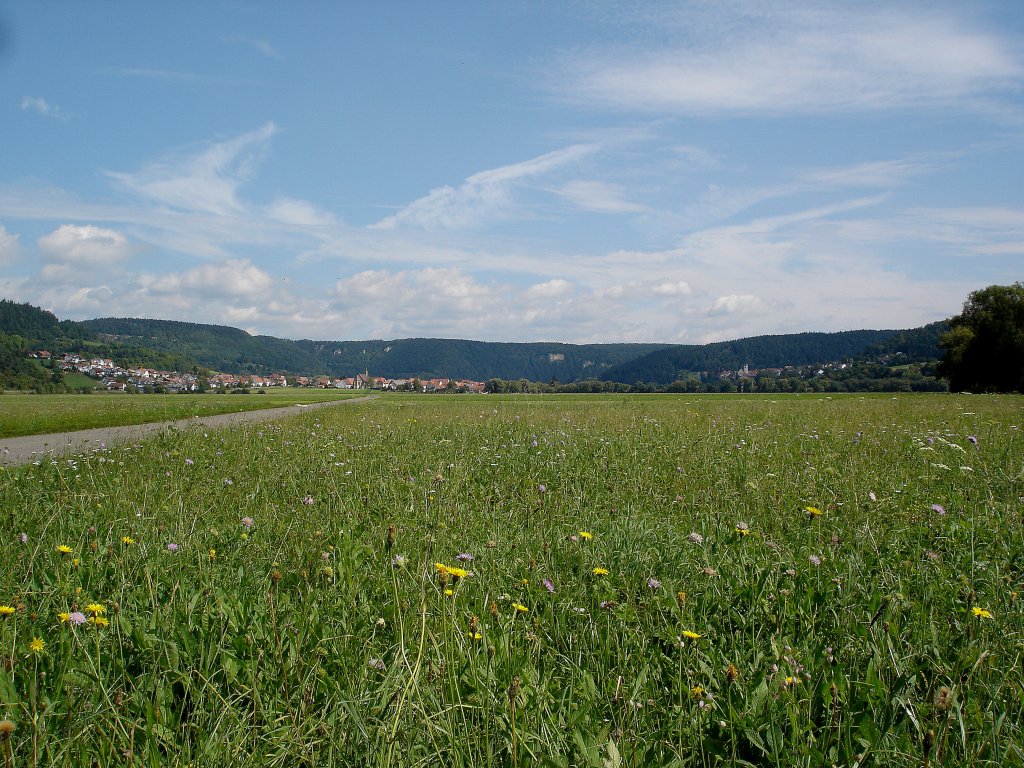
[(23, 450)]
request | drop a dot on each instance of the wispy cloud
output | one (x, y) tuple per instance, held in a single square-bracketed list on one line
[(261, 45), (482, 196), (43, 107), (156, 73), (203, 182), (599, 196), (796, 58)]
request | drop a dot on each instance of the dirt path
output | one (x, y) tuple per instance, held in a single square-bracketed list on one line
[(23, 450)]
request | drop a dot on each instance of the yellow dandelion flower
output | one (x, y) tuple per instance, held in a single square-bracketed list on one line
[(64, 549), (520, 607), (213, 554), (74, 563), (127, 540), (812, 511), (37, 645), (99, 621), (64, 617), (6, 610), (742, 531), (600, 571), (448, 593), (474, 636), (981, 613), (691, 635), (96, 609), (697, 691), (586, 535)]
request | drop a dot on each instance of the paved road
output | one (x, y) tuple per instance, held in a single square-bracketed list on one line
[(23, 450)]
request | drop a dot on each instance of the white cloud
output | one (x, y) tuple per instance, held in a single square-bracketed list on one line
[(9, 247), (298, 212), (552, 289), (86, 246), (744, 303), (205, 182), (599, 196), (43, 107), (796, 58), (235, 278), (670, 288), (482, 196)]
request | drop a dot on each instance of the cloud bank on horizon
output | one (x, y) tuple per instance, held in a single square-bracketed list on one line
[(677, 172)]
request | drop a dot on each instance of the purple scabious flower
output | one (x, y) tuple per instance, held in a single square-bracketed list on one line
[(653, 583), (939, 508), (542, 488), (548, 585), (696, 538), (308, 501), (972, 439), (76, 619), (248, 522), (815, 560), (172, 547), (23, 538)]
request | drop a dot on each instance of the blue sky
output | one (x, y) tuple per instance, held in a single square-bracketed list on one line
[(512, 171)]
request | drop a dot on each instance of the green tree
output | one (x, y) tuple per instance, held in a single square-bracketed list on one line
[(984, 348)]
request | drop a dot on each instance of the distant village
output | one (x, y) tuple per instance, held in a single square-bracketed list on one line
[(114, 378)]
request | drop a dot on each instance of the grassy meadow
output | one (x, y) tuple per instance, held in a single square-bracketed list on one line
[(519, 581), (29, 414)]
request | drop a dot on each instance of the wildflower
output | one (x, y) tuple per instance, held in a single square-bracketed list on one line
[(732, 674), (64, 549), (709, 571), (548, 585), (99, 621), (600, 571), (697, 691), (981, 613), (6, 610), (742, 529), (464, 557), (607, 604), (449, 593), (689, 635), (127, 540), (542, 488), (23, 538), (696, 538), (972, 439), (7, 728), (248, 522), (943, 699), (96, 609), (399, 560), (76, 618), (475, 636), (681, 597), (308, 501), (815, 560), (520, 607), (812, 511), (939, 508), (213, 554), (586, 535), (653, 583), (172, 547), (871, 495), (37, 645), (377, 664), (189, 462), (64, 617)]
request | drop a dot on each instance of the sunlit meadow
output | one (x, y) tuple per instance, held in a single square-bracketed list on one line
[(478, 580)]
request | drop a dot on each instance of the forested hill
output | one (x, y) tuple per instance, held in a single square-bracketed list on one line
[(678, 362), (231, 350)]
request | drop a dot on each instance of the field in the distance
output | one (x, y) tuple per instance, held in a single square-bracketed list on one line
[(472, 581), (29, 414)]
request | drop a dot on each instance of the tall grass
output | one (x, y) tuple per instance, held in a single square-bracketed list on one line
[(734, 625)]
